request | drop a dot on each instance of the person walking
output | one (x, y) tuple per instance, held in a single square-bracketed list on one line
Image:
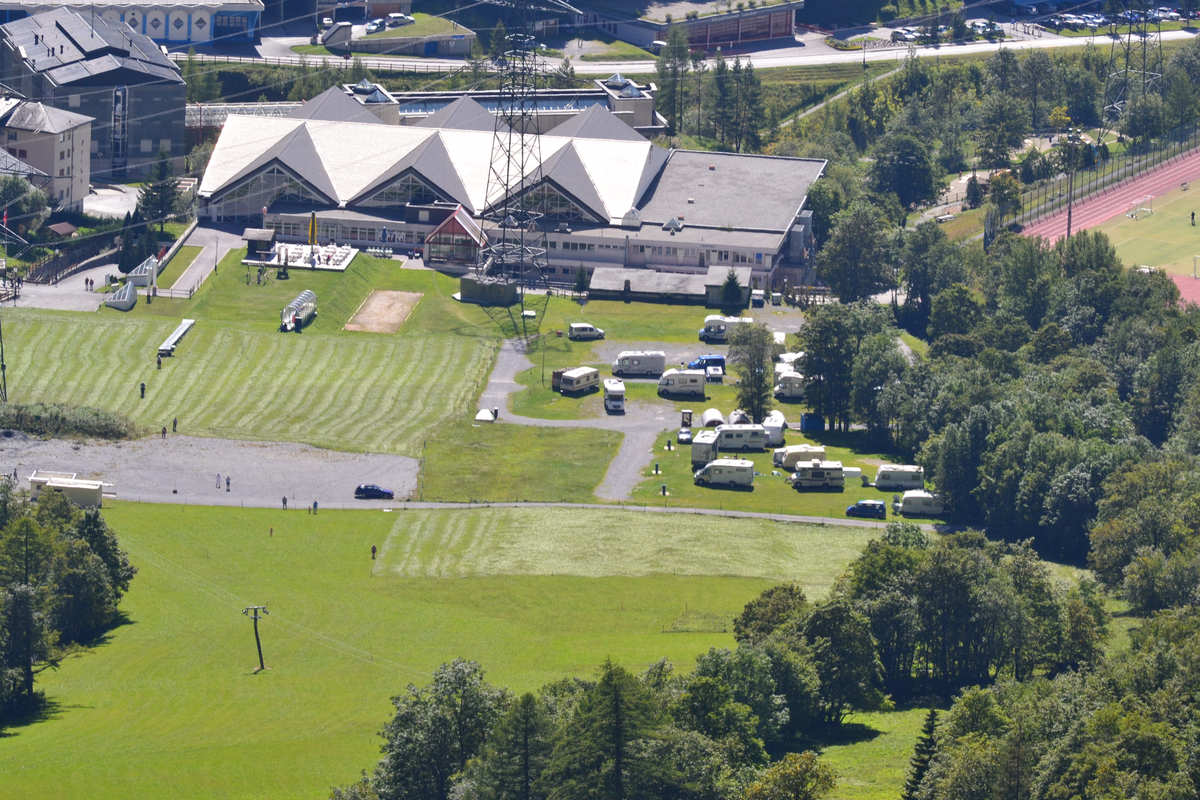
[(164, 432), (218, 480), (227, 483), (174, 424), (314, 506), (372, 552), (160, 362), (1193, 219), (143, 387), (285, 502)]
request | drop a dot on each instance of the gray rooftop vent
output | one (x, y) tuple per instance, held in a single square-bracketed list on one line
[(363, 87), (631, 91), (674, 225), (617, 81)]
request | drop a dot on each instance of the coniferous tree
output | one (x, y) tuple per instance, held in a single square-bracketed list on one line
[(919, 764)]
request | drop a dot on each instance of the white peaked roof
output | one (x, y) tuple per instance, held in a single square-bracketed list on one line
[(349, 161)]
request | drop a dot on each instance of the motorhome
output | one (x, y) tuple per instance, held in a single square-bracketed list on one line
[(614, 396), (579, 380), (733, 472), (758, 298), (817, 474), (711, 418), (774, 424), (579, 331), (788, 457), (631, 363), (704, 448), (741, 437), (920, 503), (718, 328), (790, 386), (682, 383), (893, 477)]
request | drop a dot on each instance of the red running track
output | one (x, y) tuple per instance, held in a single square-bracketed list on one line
[(1102, 207)]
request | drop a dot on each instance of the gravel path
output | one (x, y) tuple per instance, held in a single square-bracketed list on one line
[(641, 423), (183, 469)]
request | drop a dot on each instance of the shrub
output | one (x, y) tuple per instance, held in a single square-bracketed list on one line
[(887, 13), (53, 419)]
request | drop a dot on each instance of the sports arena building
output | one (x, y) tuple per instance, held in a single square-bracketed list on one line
[(611, 197)]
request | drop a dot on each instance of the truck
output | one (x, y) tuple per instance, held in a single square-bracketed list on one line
[(730, 472), (788, 457), (790, 386), (741, 437), (704, 448), (614, 396), (579, 380), (817, 474), (918, 502), (682, 383), (632, 363), (718, 328), (893, 477), (581, 331)]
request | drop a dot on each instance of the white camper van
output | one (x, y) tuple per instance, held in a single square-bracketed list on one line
[(741, 437), (718, 328), (682, 383), (579, 380), (704, 448), (614, 396), (788, 457), (774, 425), (893, 477), (919, 503), (790, 386), (726, 472), (817, 474), (579, 331), (649, 363)]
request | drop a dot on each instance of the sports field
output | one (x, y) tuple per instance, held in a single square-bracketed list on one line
[(236, 376), (1165, 239), (168, 704)]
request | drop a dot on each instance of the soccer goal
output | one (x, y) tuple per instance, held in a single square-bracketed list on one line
[(1142, 207)]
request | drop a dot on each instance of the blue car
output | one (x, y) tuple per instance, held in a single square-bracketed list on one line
[(706, 361), (369, 491), (868, 508)]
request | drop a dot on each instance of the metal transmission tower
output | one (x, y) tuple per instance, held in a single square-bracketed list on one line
[(1135, 64)]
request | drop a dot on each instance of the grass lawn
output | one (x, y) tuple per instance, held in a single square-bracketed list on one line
[(919, 346), (179, 262), (1165, 239), (425, 25), (498, 462), (872, 760), (168, 703), (235, 375), (617, 50)]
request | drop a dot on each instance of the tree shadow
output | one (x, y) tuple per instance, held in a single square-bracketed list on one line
[(103, 637), (854, 441), (30, 712)]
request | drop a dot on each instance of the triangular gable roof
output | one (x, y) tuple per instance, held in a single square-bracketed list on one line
[(463, 114), (300, 154), (565, 169), (293, 149), (596, 122), (334, 104), (462, 220), (432, 162)]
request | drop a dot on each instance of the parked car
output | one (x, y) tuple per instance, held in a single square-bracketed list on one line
[(868, 508), (581, 331), (376, 25), (369, 491), (684, 436)]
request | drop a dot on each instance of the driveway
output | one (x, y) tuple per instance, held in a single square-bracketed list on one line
[(68, 294)]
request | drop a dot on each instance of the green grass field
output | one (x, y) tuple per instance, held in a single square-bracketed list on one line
[(179, 262), (168, 704), (1165, 239), (425, 25), (236, 376)]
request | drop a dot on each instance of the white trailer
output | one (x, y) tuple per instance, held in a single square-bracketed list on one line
[(733, 472), (704, 448), (579, 380), (741, 437), (682, 383), (718, 328), (614, 396), (893, 477), (81, 492), (632, 363), (775, 424), (920, 503), (818, 474), (711, 418), (788, 457), (790, 386)]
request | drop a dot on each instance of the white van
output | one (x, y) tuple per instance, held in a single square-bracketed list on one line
[(640, 362), (893, 477), (726, 472), (614, 396), (580, 331), (788, 457), (704, 448), (790, 386), (818, 474), (741, 437), (718, 328), (580, 380), (920, 503), (682, 383)]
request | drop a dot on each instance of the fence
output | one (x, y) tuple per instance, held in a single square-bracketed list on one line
[(68, 260), (1051, 195)]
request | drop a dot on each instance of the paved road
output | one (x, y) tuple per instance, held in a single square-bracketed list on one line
[(216, 243), (68, 294)]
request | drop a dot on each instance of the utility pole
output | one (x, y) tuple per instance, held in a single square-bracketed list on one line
[(254, 613), (3, 369)]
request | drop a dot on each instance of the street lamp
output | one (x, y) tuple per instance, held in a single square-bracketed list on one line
[(1073, 141)]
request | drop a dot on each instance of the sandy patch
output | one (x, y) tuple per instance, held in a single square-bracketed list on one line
[(383, 311)]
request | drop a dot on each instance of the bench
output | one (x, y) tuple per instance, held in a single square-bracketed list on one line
[(167, 348)]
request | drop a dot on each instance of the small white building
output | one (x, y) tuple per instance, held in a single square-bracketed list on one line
[(80, 491)]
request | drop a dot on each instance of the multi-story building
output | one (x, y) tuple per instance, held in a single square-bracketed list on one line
[(55, 142), (109, 72)]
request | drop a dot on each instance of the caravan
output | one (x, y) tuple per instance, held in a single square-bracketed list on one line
[(892, 477), (704, 448), (919, 503), (731, 472), (817, 474), (682, 383), (788, 457), (614, 396), (718, 328), (579, 380), (649, 363), (774, 424), (790, 386), (741, 437)]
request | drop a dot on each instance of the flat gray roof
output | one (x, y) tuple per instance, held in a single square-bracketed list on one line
[(647, 280), (730, 190)]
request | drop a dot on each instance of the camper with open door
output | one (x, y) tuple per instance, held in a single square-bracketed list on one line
[(579, 380), (640, 363), (898, 477), (818, 474), (727, 472), (682, 383)]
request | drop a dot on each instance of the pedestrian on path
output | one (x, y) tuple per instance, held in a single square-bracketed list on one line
[(372, 552), (160, 362), (143, 387), (1193, 219), (314, 506), (174, 424), (164, 432), (227, 483), (218, 480), (285, 502)]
